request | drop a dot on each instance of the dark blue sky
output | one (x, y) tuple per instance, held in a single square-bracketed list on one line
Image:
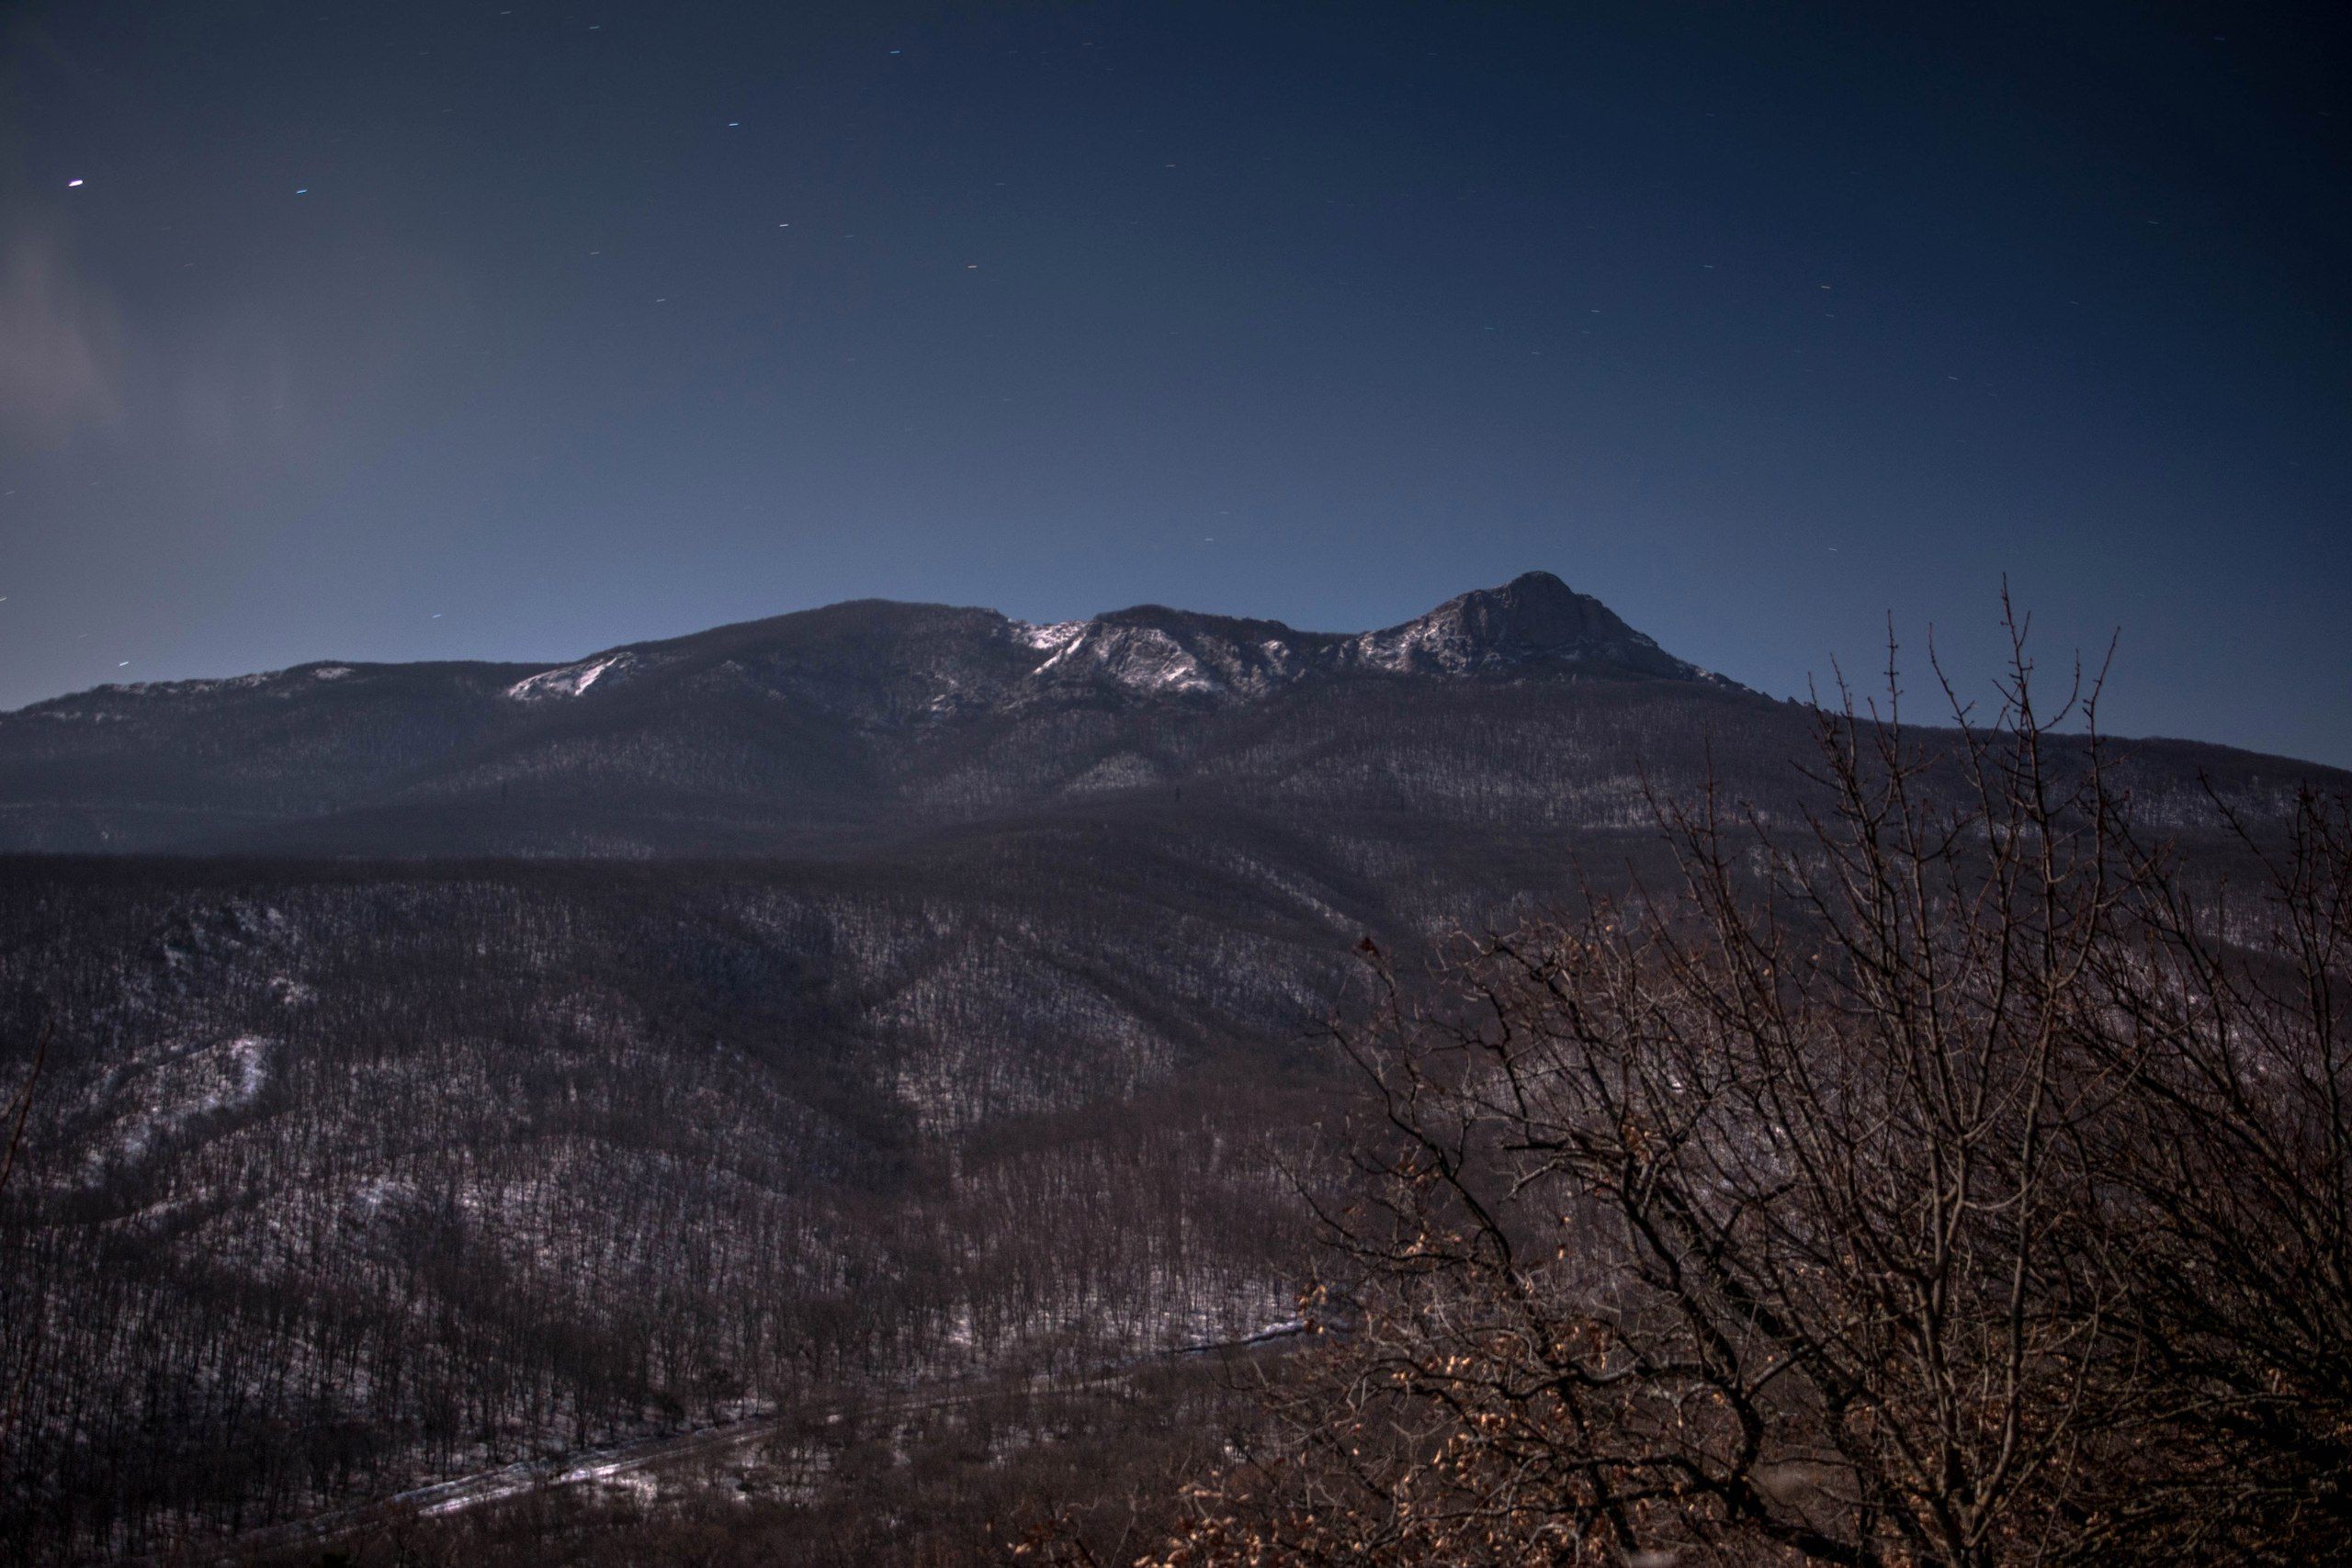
[(411, 331)]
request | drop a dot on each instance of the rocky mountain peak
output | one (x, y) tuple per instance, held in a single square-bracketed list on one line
[(1535, 612), (1532, 620)]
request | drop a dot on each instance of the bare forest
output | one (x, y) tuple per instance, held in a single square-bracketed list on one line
[(1610, 1120)]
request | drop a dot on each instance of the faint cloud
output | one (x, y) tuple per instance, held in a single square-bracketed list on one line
[(61, 345)]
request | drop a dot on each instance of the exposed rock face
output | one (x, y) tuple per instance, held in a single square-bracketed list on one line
[(1520, 629), (1526, 622)]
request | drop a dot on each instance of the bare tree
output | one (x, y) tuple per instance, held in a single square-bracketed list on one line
[(19, 1112), (2226, 1180), (1944, 1181)]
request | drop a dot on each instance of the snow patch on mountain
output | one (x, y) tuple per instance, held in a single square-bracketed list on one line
[(1140, 658), (1401, 648), (284, 680), (1051, 638), (572, 680)]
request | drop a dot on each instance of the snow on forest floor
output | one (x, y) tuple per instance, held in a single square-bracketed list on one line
[(155, 1099), (636, 1467)]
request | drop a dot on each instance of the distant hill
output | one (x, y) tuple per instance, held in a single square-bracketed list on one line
[(1526, 707)]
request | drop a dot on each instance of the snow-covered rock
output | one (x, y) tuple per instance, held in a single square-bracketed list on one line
[(572, 680)]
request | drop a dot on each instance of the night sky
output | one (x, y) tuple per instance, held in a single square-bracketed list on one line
[(425, 331)]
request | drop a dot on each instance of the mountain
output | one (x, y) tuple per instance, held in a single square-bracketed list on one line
[(1527, 709), (778, 734)]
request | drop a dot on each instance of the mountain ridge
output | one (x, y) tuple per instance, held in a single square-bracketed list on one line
[(1524, 708), (1512, 628)]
